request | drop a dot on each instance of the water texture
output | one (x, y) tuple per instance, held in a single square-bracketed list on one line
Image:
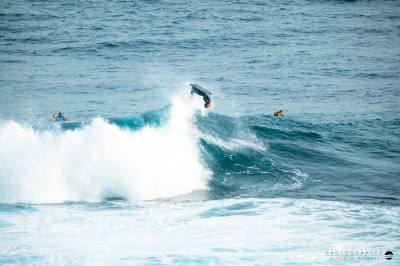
[(142, 174)]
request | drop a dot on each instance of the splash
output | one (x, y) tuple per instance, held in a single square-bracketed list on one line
[(102, 160)]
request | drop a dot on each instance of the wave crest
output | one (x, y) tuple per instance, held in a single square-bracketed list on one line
[(101, 160)]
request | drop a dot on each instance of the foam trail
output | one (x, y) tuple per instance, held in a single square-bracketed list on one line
[(102, 160)]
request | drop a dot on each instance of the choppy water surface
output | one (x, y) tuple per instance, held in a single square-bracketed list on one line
[(142, 174)]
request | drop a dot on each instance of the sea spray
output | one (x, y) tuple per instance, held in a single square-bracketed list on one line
[(102, 160)]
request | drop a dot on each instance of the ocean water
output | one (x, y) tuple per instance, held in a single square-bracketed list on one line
[(142, 174)]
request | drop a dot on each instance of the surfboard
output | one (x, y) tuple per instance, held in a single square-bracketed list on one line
[(199, 90)]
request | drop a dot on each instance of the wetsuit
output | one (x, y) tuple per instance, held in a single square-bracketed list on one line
[(60, 118), (207, 99)]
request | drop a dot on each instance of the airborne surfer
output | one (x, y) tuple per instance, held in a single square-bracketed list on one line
[(202, 92)]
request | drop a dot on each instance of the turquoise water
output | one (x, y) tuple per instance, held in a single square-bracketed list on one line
[(142, 174)]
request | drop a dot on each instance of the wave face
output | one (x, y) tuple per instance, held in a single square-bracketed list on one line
[(261, 156), (182, 148), (103, 160)]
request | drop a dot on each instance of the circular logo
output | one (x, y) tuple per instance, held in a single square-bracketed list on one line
[(388, 255)]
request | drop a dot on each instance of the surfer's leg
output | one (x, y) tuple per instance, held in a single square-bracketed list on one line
[(207, 101)]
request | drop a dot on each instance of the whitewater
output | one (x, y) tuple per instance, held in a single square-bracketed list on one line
[(148, 195), (101, 160), (142, 174)]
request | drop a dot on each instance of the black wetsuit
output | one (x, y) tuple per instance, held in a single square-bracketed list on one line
[(207, 99)]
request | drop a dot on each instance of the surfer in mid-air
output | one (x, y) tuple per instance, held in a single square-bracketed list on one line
[(58, 117), (202, 92)]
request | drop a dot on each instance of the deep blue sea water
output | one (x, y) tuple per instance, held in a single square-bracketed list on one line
[(142, 174)]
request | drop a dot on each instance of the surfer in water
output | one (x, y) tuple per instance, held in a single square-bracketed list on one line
[(58, 117), (279, 114), (202, 92)]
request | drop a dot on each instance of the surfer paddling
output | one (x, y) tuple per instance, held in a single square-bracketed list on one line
[(202, 92)]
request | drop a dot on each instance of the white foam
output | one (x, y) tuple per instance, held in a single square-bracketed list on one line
[(235, 231), (235, 144), (102, 160)]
